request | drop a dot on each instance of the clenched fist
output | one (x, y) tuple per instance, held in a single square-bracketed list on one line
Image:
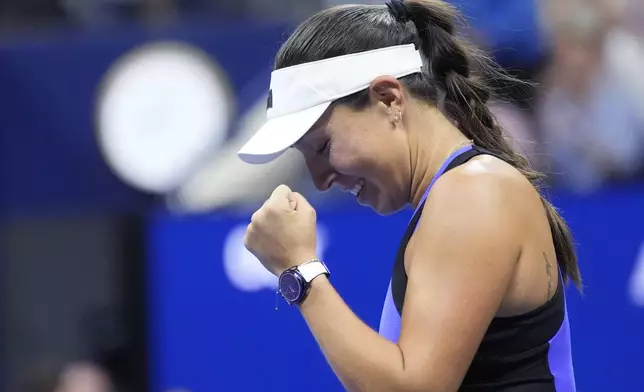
[(282, 233)]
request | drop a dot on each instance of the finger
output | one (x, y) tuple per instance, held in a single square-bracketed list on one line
[(280, 198), (299, 202), (247, 234), (281, 191)]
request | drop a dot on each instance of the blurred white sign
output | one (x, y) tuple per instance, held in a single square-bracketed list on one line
[(636, 286), (243, 269), (161, 109)]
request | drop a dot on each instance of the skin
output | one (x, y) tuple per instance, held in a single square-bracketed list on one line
[(482, 248), (84, 377)]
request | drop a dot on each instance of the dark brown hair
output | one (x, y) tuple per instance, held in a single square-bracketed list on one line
[(456, 78)]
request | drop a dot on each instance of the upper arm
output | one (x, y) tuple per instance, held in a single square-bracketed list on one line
[(459, 264)]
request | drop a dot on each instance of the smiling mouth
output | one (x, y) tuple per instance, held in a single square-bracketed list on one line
[(357, 188)]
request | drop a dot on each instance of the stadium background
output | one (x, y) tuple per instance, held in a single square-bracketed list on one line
[(139, 279)]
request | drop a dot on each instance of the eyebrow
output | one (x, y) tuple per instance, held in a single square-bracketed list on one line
[(302, 144), (314, 138)]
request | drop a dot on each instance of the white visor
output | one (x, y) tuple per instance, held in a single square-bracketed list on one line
[(299, 95)]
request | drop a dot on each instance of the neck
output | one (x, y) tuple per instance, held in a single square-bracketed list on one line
[(429, 150)]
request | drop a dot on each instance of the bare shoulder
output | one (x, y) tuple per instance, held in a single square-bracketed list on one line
[(484, 202), (487, 171), (484, 186)]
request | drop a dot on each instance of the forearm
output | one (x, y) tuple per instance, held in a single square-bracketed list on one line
[(362, 359)]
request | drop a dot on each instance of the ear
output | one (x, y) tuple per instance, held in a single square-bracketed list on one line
[(388, 94)]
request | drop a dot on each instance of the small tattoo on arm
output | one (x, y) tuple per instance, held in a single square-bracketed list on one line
[(549, 273)]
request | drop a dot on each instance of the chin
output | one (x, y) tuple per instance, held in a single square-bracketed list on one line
[(379, 201), (387, 211), (385, 207)]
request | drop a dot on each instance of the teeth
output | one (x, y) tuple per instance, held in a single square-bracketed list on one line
[(357, 188)]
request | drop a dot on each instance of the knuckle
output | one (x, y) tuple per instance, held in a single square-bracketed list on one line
[(255, 218), (248, 235), (270, 210)]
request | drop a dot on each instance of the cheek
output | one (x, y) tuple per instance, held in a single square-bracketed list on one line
[(361, 147), (362, 160), (346, 159)]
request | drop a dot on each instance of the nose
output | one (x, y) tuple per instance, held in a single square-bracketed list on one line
[(323, 176), (324, 181)]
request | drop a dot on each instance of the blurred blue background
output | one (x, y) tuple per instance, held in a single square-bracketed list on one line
[(123, 204)]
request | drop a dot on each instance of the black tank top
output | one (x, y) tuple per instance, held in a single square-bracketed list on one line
[(525, 353)]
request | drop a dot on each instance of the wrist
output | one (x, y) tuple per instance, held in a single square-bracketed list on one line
[(301, 259), (318, 285), (289, 263)]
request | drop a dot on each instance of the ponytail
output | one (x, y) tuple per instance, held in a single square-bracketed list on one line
[(451, 63)]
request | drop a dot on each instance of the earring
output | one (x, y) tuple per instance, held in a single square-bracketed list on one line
[(396, 119)]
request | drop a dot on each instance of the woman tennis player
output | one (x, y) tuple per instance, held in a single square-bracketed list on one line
[(385, 102)]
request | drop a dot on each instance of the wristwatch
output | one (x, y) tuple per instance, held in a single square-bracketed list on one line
[(295, 282)]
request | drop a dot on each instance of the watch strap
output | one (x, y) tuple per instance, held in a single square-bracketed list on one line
[(312, 270)]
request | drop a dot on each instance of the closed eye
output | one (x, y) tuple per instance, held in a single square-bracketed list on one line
[(322, 150)]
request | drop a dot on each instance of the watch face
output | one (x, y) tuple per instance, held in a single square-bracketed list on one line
[(290, 287)]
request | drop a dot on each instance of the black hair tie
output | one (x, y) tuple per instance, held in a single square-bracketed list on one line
[(398, 10)]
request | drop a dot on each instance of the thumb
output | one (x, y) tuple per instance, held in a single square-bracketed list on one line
[(299, 202), (282, 191), (280, 196)]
